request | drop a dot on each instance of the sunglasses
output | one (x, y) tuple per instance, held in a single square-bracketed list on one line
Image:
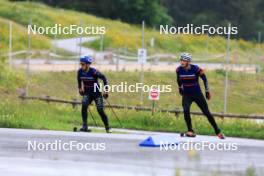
[(82, 64)]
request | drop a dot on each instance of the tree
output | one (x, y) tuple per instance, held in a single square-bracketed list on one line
[(131, 11)]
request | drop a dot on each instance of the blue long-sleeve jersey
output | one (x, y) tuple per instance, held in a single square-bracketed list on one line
[(188, 79), (88, 80)]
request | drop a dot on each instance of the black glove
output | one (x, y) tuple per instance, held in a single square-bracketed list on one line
[(208, 95), (180, 91), (105, 95)]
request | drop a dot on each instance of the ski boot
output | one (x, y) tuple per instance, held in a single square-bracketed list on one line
[(221, 136), (85, 129), (108, 130)]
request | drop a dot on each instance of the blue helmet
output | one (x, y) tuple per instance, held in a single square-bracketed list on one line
[(186, 57), (86, 59)]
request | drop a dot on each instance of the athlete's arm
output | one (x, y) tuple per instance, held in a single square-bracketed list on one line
[(179, 82), (79, 80), (81, 91), (205, 81), (203, 76), (102, 77)]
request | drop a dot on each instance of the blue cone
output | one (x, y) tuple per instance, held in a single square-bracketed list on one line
[(158, 140)]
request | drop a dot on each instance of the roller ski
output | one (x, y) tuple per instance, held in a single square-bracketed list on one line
[(188, 134), (83, 129)]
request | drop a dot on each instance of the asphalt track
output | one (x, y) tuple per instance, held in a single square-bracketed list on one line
[(123, 156)]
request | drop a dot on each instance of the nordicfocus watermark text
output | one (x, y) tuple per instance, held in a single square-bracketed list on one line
[(58, 29), (203, 29), (124, 87), (199, 146), (58, 145)]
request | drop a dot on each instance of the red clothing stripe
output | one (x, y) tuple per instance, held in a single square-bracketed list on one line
[(189, 85), (188, 78)]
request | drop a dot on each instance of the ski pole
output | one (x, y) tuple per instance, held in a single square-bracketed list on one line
[(114, 113), (92, 117)]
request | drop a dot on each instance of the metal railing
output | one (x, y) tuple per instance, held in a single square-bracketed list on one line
[(175, 111)]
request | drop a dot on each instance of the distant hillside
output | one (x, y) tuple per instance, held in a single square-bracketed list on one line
[(119, 34), (19, 38)]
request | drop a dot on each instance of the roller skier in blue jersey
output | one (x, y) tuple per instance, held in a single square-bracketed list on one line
[(188, 81), (87, 78)]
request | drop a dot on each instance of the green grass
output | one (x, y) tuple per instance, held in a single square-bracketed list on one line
[(20, 38), (245, 95), (244, 98), (15, 113), (41, 115), (123, 35)]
